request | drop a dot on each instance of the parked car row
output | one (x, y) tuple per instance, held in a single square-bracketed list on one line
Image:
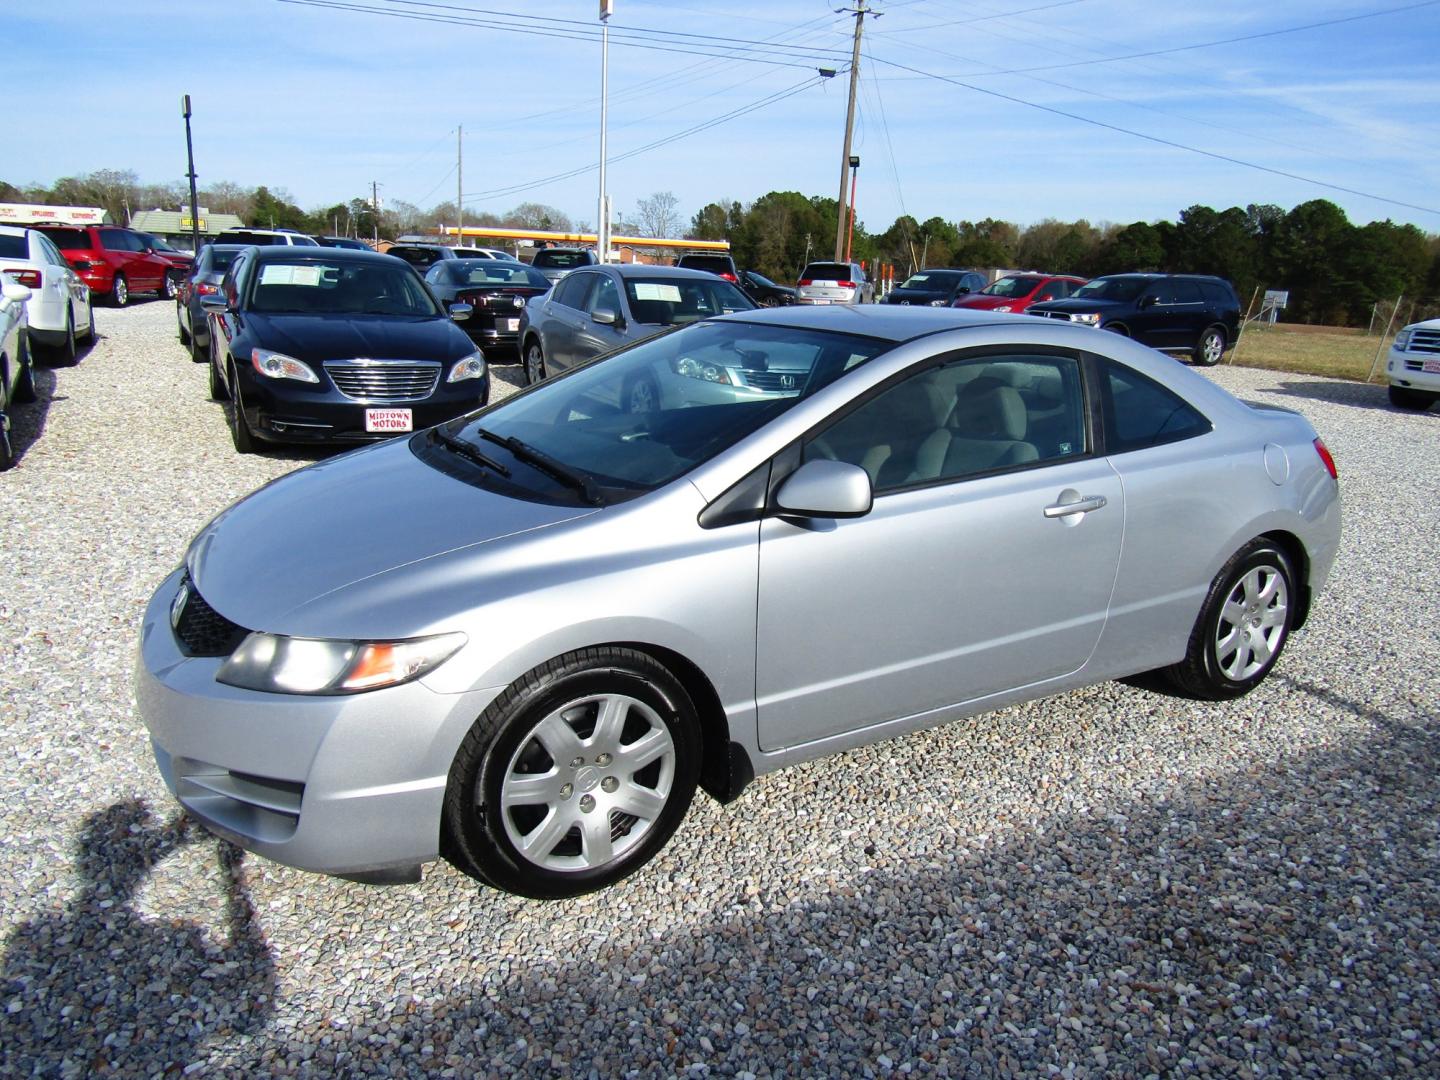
[(57, 307)]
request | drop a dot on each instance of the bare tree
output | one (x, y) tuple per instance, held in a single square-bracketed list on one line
[(538, 216), (658, 214)]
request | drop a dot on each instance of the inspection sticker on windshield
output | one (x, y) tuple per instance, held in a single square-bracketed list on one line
[(280, 274), (653, 290), (387, 421)]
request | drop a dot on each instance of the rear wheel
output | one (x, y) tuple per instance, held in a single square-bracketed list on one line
[(1210, 348), (1405, 398), (120, 291), (575, 776), (172, 286), (1243, 625), (66, 352), (25, 384), (7, 452), (534, 363)]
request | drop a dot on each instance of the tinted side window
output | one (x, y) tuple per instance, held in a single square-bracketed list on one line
[(1140, 413), (113, 240), (1187, 292), (1217, 296), (572, 289), (962, 419), (605, 295)]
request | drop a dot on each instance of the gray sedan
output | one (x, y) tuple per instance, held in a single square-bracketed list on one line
[(599, 308), (523, 638)]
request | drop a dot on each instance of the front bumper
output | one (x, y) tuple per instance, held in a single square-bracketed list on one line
[(1407, 369), (349, 785), (279, 413)]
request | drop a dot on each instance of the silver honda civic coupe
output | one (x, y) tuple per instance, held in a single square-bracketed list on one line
[(522, 639)]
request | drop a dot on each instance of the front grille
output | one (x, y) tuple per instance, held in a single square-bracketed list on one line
[(775, 381), (384, 380), (203, 631), (1426, 341), (499, 300), (1049, 314), (256, 807)]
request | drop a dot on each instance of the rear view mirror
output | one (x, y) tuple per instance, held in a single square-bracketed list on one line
[(826, 489)]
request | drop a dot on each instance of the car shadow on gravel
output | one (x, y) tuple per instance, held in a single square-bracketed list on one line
[(1276, 921), (27, 422), (1356, 395), (98, 989)]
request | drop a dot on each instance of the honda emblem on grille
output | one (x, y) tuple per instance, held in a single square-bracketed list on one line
[(787, 382), (177, 606)]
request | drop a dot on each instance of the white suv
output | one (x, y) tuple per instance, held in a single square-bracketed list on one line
[(265, 237), (1414, 366), (834, 283)]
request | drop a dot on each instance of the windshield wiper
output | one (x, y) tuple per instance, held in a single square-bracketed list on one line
[(572, 478), (469, 451)]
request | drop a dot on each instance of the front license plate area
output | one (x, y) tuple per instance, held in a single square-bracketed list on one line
[(510, 326), (388, 421), (1431, 367)]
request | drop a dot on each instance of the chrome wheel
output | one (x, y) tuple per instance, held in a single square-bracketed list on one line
[(121, 292), (1210, 349), (1252, 623), (534, 364), (587, 783), (642, 396)]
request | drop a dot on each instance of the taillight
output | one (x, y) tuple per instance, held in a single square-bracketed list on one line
[(844, 284), (1327, 459), (31, 279), (803, 282), (731, 278), (204, 288)]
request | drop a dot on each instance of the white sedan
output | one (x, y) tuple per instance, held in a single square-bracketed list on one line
[(59, 306), (17, 378)]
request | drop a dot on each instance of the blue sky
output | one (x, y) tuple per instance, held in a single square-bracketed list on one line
[(321, 101)]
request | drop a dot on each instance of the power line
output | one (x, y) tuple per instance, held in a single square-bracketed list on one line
[(1155, 138), (977, 18)]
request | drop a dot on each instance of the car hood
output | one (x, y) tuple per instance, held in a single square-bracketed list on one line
[(1081, 305), (312, 533), (917, 296), (976, 302), (369, 337)]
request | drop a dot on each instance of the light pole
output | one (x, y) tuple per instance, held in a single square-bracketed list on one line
[(190, 157), (854, 175), (859, 11), (602, 229)]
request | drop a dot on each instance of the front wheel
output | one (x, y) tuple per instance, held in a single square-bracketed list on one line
[(120, 291), (1404, 398), (172, 286), (180, 326), (1243, 625), (534, 363), (239, 426), (1210, 348), (575, 776)]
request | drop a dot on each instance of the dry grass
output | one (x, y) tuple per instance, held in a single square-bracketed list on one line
[(1312, 350)]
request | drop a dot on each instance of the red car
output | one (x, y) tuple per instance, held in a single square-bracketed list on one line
[(1016, 292), (114, 262), (180, 262)]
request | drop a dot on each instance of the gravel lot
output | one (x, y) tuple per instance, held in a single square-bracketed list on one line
[(1113, 882)]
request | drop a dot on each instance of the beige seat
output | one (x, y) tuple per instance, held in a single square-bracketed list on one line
[(985, 431)]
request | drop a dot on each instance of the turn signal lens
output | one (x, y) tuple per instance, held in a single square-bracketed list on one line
[(472, 367)]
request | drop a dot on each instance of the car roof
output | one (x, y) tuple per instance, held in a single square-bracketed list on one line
[(13, 230), (272, 252), (629, 270), (889, 322)]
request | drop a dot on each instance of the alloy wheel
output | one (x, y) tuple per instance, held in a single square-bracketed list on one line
[(1252, 623)]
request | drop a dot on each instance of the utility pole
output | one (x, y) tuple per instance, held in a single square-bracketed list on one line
[(459, 183), (602, 223), (194, 200), (860, 11), (375, 210)]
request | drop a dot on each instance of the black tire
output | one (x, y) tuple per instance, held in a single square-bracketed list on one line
[(769, 301), (172, 286), (1210, 348), (239, 426), (7, 452), (502, 746), (180, 326), (1118, 328), (218, 390), (641, 394), (66, 354), (534, 362), (1405, 398), (120, 291), (25, 383), (1255, 596), (90, 314)]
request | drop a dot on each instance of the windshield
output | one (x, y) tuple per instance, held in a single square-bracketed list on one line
[(488, 272), (643, 416), (672, 301), (161, 245), (1012, 286), (562, 260), (316, 287), (931, 280), (1115, 288)]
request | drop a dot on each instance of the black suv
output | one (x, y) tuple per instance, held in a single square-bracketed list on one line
[(723, 265), (1190, 313)]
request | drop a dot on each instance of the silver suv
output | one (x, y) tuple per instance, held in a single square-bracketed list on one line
[(834, 283)]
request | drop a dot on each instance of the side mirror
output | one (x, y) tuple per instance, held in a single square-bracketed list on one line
[(1149, 301), (82, 264), (214, 302), (13, 290), (826, 489), (963, 290), (607, 317), (461, 312)]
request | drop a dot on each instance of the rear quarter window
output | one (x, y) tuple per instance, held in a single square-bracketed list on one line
[(69, 239), (1140, 413), (13, 247)]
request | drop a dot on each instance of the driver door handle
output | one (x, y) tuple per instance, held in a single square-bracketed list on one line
[(1081, 506)]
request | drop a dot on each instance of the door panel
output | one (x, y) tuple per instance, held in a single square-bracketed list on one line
[(940, 595)]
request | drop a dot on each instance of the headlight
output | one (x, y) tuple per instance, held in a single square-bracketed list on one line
[(274, 365), (286, 665), (1090, 318), (472, 367), (1402, 340), (1003, 307), (696, 369)]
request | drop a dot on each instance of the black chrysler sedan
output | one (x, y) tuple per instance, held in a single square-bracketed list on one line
[(498, 291), (325, 345)]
